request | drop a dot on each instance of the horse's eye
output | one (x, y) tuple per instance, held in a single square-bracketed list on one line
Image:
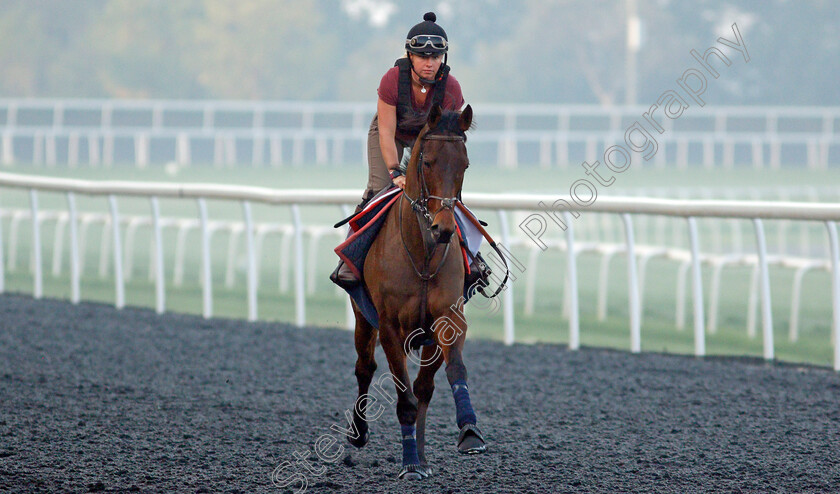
[(427, 164)]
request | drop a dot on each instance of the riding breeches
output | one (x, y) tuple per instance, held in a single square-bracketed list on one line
[(378, 174)]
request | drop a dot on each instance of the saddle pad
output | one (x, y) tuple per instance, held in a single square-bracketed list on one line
[(353, 251)]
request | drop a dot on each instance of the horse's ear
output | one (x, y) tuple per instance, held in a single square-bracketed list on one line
[(465, 120), (434, 116)]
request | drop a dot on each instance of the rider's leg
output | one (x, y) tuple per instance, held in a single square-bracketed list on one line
[(378, 179), (478, 277), (480, 272)]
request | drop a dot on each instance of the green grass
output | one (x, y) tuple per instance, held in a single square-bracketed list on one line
[(327, 308)]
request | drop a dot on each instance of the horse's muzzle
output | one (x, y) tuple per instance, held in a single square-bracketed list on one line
[(441, 236)]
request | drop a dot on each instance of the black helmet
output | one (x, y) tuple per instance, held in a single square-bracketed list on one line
[(427, 38)]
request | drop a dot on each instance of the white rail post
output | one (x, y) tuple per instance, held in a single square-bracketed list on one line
[(507, 297), (104, 254), (752, 303), (679, 312), (182, 150), (83, 242), (633, 287), (766, 312), (252, 262), (75, 292), (697, 289), (835, 289), (73, 150), (8, 150), (300, 294), (142, 149), (118, 263), (207, 281), (572, 285), (285, 246), (160, 282), (38, 290)]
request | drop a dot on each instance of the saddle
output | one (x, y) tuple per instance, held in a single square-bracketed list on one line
[(366, 224)]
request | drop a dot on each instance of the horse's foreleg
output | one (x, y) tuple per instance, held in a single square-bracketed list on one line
[(406, 405), (424, 387), (365, 367), (470, 440)]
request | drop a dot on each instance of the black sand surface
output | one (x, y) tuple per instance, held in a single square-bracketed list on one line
[(95, 399)]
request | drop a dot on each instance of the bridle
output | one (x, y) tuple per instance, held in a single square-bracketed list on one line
[(421, 204), (425, 219)]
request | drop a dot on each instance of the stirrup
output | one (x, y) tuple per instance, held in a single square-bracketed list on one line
[(479, 274)]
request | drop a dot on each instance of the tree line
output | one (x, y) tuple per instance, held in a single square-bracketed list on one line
[(533, 51)]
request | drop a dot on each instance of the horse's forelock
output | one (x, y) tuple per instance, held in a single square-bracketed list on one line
[(448, 124)]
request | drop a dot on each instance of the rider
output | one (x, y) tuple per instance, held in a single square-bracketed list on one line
[(406, 92)]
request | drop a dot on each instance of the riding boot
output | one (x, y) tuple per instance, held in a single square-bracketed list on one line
[(343, 276), (479, 275)]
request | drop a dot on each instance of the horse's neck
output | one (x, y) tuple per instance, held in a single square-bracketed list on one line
[(409, 229)]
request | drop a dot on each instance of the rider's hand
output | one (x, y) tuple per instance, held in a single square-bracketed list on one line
[(400, 182)]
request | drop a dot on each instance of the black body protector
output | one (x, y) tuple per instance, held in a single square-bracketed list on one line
[(409, 121)]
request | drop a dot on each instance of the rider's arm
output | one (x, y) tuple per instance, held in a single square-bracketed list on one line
[(387, 129)]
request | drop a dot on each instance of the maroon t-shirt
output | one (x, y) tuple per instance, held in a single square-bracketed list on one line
[(453, 98)]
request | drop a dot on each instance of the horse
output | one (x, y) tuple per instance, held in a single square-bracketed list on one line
[(414, 273)]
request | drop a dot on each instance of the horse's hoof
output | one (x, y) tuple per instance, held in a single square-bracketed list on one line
[(470, 440), (361, 440), (415, 472)]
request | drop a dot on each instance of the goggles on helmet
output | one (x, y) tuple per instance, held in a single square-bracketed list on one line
[(425, 40)]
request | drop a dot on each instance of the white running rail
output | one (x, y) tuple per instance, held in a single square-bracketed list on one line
[(226, 133), (828, 213)]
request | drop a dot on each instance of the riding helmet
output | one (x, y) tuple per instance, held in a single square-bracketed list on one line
[(427, 38)]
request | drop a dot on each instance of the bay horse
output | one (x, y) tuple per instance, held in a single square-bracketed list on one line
[(414, 273)]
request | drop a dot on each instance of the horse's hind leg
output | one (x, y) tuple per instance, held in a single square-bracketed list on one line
[(424, 387), (365, 367)]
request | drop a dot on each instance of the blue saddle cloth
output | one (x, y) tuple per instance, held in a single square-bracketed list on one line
[(366, 225), (353, 251)]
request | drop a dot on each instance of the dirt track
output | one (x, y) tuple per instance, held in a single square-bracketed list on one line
[(95, 399)]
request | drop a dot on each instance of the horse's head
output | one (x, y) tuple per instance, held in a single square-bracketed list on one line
[(436, 171)]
